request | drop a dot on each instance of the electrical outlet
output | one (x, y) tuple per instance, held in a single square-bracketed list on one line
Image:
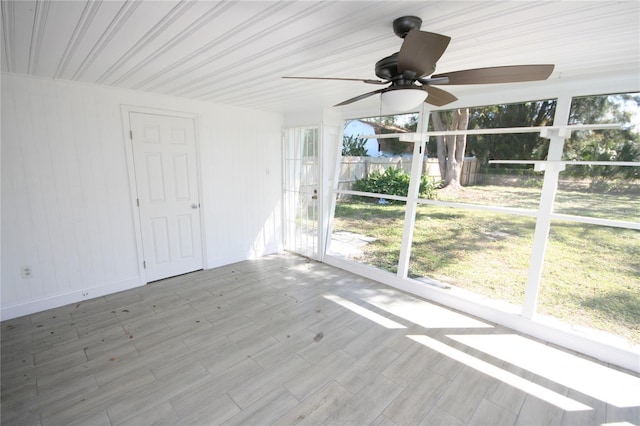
[(26, 272)]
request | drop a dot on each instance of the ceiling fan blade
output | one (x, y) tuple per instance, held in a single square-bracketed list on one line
[(506, 74), (420, 51), (360, 97), (438, 97), (338, 78)]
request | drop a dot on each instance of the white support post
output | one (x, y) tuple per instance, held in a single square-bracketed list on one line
[(412, 198), (331, 160), (543, 224)]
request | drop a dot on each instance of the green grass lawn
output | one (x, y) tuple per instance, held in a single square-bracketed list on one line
[(591, 275)]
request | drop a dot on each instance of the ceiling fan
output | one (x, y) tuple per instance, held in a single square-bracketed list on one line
[(410, 76)]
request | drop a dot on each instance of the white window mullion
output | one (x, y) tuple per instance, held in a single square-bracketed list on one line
[(547, 197), (333, 191), (412, 198)]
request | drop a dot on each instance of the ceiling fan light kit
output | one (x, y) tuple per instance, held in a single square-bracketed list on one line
[(403, 99), (407, 71)]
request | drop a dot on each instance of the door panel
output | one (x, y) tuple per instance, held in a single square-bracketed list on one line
[(185, 231), (155, 177), (160, 232), (166, 179), (181, 173)]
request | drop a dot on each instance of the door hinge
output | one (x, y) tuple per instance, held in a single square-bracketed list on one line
[(421, 149), (144, 264), (131, 134)]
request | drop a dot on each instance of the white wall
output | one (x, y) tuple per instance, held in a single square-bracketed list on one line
[(66, 199)]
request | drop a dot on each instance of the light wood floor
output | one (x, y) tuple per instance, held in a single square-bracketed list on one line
[(280, 340)]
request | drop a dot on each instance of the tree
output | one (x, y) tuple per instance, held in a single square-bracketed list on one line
[(514, 146), (604, 145), (599, 145), (451, 148)]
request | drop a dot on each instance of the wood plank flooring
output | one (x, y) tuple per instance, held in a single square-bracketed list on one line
[(279, 340)]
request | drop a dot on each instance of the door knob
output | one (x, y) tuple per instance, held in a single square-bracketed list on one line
[(195, 206)]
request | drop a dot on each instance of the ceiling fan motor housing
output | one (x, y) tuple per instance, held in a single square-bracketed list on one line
[(387, 69)]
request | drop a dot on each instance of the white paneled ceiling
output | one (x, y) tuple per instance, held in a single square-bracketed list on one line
[(234, 52)]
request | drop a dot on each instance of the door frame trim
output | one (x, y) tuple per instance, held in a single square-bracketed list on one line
[(125, 110)]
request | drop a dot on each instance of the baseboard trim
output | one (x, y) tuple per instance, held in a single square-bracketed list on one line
[(39, 305)]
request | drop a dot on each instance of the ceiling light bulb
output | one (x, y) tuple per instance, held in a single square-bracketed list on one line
[(403, 99)]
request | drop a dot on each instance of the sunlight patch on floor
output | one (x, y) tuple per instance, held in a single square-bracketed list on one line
[(590, 378), (498, 373), (377, 318), (423, 313)]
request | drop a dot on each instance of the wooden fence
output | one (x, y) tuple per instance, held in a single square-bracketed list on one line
[(352, 168)]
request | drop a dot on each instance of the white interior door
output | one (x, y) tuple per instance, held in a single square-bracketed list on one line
[(164, 154), (301, 191)]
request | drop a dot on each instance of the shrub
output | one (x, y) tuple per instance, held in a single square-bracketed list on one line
[(428, 187), (395, 182), (354, 146)]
